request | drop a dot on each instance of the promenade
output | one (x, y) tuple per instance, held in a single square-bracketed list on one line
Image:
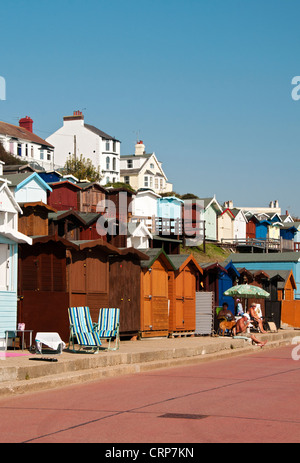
[(21, 374)]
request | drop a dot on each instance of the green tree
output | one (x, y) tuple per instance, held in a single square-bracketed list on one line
[(82, 169), (8, 158)]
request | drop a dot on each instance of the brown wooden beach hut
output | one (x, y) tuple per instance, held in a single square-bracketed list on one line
[(154, 294), (34, 220), (91, 197), (182, 285), (88, 275), (42, 285), (125, 289)]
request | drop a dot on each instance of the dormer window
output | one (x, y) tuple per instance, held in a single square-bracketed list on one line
[(129, 164)]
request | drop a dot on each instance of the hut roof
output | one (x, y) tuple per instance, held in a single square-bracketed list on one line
[(153, 255), (182, 260)]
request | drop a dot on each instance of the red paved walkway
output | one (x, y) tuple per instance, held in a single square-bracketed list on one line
[(253, 398)]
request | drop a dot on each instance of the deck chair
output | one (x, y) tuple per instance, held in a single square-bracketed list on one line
[(82, 328), (109, 326)]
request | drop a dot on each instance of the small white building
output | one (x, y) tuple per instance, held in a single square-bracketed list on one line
[(9, 239), (138, 236), (77, 137), (22, 143), (143, 170), (144, 204)]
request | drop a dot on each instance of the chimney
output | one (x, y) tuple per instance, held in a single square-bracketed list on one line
[(139, 148), (26, 123), (77, 116)]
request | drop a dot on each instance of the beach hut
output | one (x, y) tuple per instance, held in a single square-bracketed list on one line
[(10, 237), (34, 220), (66, 224), (144, 204), (252, 221), (88, 274), (28, 187), (91, 197), (226, 280), (138, 236), (183, 283), (42, 285), (225, 225), (63, 196), (154, 294), (125, 289)]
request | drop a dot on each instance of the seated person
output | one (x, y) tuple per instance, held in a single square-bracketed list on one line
[(225, 313), (239, 309), (240, 329), (256, 318)]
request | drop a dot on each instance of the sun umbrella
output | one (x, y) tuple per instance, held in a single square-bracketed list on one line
[(247, 291)]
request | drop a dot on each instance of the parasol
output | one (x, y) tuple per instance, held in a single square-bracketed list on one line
[(247, 291)]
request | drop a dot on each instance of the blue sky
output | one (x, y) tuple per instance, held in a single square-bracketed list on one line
[(206, 84)]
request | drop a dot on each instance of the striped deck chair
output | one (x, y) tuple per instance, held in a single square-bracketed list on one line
[(109, 326), (82, 328)]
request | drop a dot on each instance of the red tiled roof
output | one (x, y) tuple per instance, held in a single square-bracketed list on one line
[(24, 134)]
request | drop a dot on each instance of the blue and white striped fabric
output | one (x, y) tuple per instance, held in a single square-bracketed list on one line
[(108, 323), (82, 327)]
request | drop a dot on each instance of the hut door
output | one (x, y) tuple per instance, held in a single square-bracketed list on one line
[(148, 301), (180, 301), (4, 267), (185, 300)]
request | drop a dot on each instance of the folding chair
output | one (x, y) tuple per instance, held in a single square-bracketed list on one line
[(109, 326), (82, 328)]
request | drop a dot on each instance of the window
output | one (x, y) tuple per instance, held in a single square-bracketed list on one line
[(19, 149), (42, 154), (114, 147), (151, 182), (129, 164), (107, 180), (151, 166), (32, 151), (48, 155), (107, 145), (26, 150), (107, 163), (126, 180), (161, 183), (146, 181), (156, 183), (114, 164)]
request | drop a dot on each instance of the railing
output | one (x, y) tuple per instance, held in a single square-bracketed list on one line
[(172, 227), (264, 244)]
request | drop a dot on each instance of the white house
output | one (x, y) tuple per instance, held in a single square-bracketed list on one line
[(77, 137), (142, 170), (21, 142)]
